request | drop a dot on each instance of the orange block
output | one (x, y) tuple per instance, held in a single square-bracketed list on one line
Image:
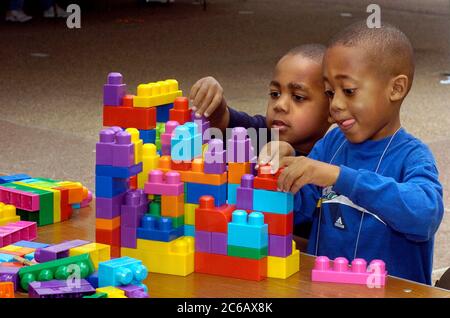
[(75, 192), (20, 252), (107, 224), (165, 163), (7, 290), (236, 170), (172, 205), (231, 266), (196, 175)]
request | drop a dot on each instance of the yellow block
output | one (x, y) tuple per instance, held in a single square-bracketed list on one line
[(283, 267), (98, 252), (189, 213), (173, 258), (112, 292), (156, 94), (138, 143), (8, 214), (150, 159)]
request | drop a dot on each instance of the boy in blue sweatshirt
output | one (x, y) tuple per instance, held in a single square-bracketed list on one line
[(370, 188)]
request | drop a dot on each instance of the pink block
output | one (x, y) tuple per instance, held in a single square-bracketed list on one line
[(373, 275), (164, 184), (20, 199), (22, 230)]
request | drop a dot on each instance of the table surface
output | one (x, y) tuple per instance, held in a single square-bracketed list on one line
[(299, 285)]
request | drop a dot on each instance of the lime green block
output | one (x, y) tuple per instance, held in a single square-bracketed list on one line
[(97, 295), (247, 252)]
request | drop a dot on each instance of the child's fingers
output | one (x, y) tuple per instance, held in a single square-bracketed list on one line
[(298, 184), (200, 96), (205, 103), (286, 161), (193, 93), (217, 99)]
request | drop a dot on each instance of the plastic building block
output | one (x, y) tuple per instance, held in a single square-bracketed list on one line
[(7, 290), (244, 193), (133, 291), (186, 143), (138, 143), (148, 136), (173, 258), (13, 177), (24, 200), (158, 229), (98, 252), (122, 116), (6, 258), (118, 172), (97, 295), (283, 267), (181, 165), (341, 272), (164, 184), (247, 252), (197, 174), (238, 146), (203, 125), (189, 213), (108, 187), (114, 90), (189, 230), (17, 231), (58, 269), (57, 251), (29, 244), (219, 243), (10, 274), (164, 163), (215, 157), (266, 179), (172, 206), (203, 241), (155, 94), (195, 190), (8, 214), (210, 218), (162, 113), (232, 193), (60, 289), (108, 208), (150, 161), (236, 170), (167, 136), (85, 203), (108, 237), (230, 266), (248, 230), (271, 201), (93, 279), (123, 150), (280, 246), (180, 111), (103, 148), (111, 292), (121, 271)]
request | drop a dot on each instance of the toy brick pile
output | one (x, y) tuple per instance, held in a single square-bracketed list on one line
[(71, 269), (40, 200), (161, 181)]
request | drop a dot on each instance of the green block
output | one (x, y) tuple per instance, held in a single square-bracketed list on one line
[(176, 222), (247, 252), (97, 295), (155, 206), (34, 217), (60, 269)]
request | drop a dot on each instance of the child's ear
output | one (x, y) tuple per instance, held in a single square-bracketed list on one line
[(398, 88)]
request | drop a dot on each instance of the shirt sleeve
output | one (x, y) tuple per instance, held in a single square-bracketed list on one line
[(413, 206), (241, 119)]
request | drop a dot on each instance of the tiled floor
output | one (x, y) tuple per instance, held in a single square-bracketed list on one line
[(50, 102)]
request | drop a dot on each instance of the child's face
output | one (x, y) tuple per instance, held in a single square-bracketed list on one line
[(359, 96), (297, 104)]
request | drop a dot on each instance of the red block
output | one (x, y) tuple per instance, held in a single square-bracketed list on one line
[(265, 179), (133, 182), (279, 224), (136, 117), (109, 237), (210, 218), (231, 266), (66, 208), (180, 111), (181, 165)]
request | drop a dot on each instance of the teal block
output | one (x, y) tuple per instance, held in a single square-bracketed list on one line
[(273, 201), (248, 230), (186, 143), (232, 190)]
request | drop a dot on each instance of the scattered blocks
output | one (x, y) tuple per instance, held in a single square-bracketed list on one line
[(97, 252), (121, 271), (7, 290), (18, 231), (8, 214), (57, 251), (60, 289)]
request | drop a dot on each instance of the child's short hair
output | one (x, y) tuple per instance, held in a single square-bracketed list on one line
[(387, 47), (313, 51)]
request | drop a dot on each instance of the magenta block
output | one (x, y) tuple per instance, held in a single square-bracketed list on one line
[(280, 246), (166, 136), (373, 275), (114, 90), (215, 158), (108, 208), (103, 148), (238, 146), (164, 184), (10, 274), (218, 243), (203, 241), (17, 231), (57, 251), (244, 193), (20, 199), (128, 236)]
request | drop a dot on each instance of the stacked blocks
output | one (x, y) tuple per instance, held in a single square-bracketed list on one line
[(8, 214), (114, 90), (131, 212), (186, 143), (180, 111)]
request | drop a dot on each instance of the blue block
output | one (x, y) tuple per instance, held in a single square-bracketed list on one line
[(232, 193), (162, 113), (248, 230), (121, 271), (186, 143), (107, 187), (6, 258), (195, 190), (31, 244), (273, 201), (189, 230), (158, 229), (118, 172), (13, 178), (93, 279), (148, 136), (29, 256)]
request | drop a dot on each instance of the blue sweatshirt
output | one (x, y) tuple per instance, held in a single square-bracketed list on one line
[(401, 204)]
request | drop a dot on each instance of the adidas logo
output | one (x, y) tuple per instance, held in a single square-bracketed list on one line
[(339, 223)]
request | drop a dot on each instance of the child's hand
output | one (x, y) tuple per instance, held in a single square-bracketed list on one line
[(273, 152), (300, 171), (207, 97)]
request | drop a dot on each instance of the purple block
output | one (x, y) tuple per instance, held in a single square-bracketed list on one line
[(166, 150), (280, 246), (109, 208), (123, 150), (60, 289), (238, 149), (128, 237), (114, 90), (203, 241), (133, 291), (244, 193), (57, 251), (215, 158), (203, 125), (103, 149), (134, 207), (9, 274), (218, 243)]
